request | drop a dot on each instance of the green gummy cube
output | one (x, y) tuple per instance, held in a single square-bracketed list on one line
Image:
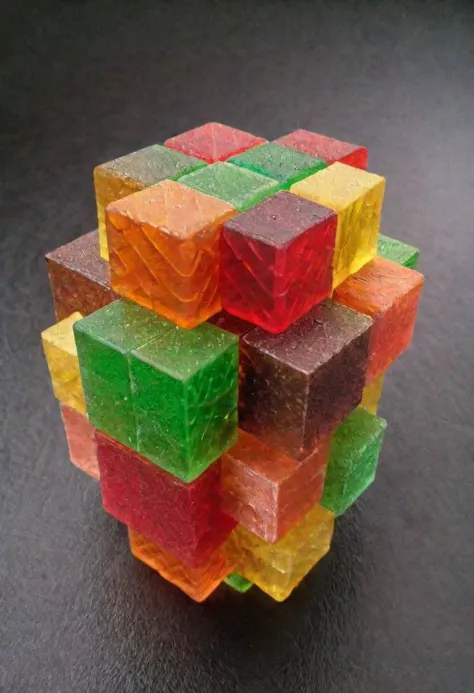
[(185, 395), (238, 582), (353, 458), (394, 250), (104, 341), (239, 187), (287, 166)]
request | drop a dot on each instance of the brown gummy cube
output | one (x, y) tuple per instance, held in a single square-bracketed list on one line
[(298, 385)]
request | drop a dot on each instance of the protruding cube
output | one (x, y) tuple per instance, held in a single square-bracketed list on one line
[(389, 293), (238, 582), (61, 356), (278, 568), (353, 459), (80, 436), (326, 148), (372, 394), (391, 249), (104, 341), (357, 197), (197, 583), (213, 142), (279, 163), (276, 260), (185, 397), (136, 171), (237, 186), (299, 385), (265, 490), (79, 277), (184, 519), (164, 251)]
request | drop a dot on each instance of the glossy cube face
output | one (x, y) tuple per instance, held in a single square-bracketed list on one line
[(104, 341), (185, 397), (61, 356), (326, 148), (298, 386), (184, 519), (79, 277), (276, 260), (389, 293), (357, 197), (372, 394), (278, 568), (80, 436), (237, 186), (353, 459), (391, 249), (279, 163), (213, 142), (238, 582), (136, 171), (197, 583), (163, 244), (267, 491)]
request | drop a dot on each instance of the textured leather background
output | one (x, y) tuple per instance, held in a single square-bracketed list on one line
[(391, 608)]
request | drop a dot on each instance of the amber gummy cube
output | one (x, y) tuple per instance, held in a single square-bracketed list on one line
[(326, 148), (278, 568), (197, 583), (80, 436), (164, 251), (136, 171), (357, 197), (389, 293), (297, 386), (267, 491), (372, 394), (79, 277), (61, 355), (213, 142)]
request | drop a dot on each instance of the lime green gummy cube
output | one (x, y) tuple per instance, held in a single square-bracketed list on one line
[(353, 459), (394, 250), (185, 396), (238, 582)]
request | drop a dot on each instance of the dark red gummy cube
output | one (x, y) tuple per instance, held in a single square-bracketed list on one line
[(276, 260), (184, 519), (214, 142), (326, 148)]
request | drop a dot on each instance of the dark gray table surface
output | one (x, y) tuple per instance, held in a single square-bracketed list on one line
[(391, 608)]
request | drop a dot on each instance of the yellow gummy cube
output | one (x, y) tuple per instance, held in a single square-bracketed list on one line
[(372, 393), (60, 351), (278, 568), (357, 196)]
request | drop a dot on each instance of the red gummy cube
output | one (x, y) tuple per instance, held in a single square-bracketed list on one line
[(276, 260), (184, 519), (326, 148), (214, 142)]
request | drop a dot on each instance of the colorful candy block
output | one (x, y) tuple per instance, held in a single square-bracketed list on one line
[(185, 398), (279, 163), (372, 394), (163, 244), (353, 459), (104, 342), (184, 519), (238, 582), (61, 355), (267, 491), (80, 436), (197, 583), (79, 278), (357, 197), (136, 171), (213, 142), (299, 385), (276, 260), (230, 323), (326, 148), (278, 568), (389, 293), (394, 250)]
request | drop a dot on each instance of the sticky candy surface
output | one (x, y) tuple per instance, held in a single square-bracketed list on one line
[(80, 436), (276, 260), (238, 582), (213, 142), (394, 250), (163, 244), (326, 148), (372, 394)]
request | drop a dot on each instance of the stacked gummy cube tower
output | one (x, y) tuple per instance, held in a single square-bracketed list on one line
[(221, 346)]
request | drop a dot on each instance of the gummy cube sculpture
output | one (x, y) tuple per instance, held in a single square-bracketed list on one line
[(221, 347)]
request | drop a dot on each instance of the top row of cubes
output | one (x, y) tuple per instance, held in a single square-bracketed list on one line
[(278, 257)]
